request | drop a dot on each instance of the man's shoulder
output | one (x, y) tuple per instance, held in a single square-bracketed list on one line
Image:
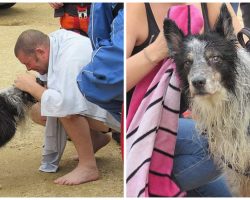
[(61, 32), (65, 41), (66, 35)]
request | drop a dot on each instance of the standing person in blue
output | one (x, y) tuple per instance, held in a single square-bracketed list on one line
[(101, 81)]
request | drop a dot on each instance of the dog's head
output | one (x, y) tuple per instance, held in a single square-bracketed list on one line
[(206, 63)]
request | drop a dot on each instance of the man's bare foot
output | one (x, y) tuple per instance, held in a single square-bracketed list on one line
[(78, 176), (99, 140)]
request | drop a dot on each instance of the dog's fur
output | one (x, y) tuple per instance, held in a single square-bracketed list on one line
[(13, 107), (215, 74)]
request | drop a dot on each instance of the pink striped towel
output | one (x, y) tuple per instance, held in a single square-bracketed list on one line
[(151, 138), (153, 120)]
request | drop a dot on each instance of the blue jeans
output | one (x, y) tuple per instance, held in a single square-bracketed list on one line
[(193, 169)]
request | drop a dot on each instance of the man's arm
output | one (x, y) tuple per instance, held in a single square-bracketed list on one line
[(27, 83)]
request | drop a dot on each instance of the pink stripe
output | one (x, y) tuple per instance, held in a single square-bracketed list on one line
[(134, 186), (159, 163), (145, 84), (166, 65), (138, 155), (139, 92), (146, 101), (146, 120), (178, 13), (169, 191), (165, 142)]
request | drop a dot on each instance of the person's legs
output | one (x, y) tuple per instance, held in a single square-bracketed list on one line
[(193, 167), (78, 130), (215, 188), (97, 125), (35, 114), (99, 139)]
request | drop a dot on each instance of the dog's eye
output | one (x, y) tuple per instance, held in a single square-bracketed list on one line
[(187, 64), (215, 59)]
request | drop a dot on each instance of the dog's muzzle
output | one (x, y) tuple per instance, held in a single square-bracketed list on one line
[(198, 84)]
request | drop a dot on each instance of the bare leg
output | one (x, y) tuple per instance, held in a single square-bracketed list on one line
[(78, 129), (97, 125), (35, 114), (99, 140)]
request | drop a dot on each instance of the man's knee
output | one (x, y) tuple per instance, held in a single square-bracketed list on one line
[(71, 118), (35, 114)]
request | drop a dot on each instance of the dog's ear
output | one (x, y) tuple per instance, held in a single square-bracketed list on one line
[(173, 35), (224, 25)]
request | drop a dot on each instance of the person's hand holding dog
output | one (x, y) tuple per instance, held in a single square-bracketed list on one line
[(158, 50), (27, 82), (148, 58)]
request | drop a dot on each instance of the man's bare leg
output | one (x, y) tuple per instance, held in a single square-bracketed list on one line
[(97, 125), (35, 114), (78, 130), (99, 140)]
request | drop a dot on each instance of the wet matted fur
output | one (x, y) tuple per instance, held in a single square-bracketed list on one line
[(215, 76), (13, 106)]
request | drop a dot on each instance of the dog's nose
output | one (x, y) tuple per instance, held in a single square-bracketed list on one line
[(199, 82)]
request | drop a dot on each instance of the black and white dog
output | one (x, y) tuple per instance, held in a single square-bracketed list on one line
[(215, 75), (13, 107)]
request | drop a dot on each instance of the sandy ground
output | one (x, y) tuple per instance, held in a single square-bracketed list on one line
[(20, 158)]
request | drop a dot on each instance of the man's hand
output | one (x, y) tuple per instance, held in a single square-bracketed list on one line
[(27, 83)]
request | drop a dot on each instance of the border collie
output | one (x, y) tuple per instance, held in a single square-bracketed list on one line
[(215, 76), (13, 106)]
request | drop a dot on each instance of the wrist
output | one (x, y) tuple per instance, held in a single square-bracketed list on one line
[(37, 91), (149, 57), (156, 54)]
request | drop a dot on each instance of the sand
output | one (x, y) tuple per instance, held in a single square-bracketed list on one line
[(20, 158)]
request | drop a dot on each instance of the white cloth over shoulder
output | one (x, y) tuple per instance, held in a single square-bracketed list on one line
[(69, 52)]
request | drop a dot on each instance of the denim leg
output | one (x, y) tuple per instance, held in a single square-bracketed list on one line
[(193, 166), (216, 188)]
